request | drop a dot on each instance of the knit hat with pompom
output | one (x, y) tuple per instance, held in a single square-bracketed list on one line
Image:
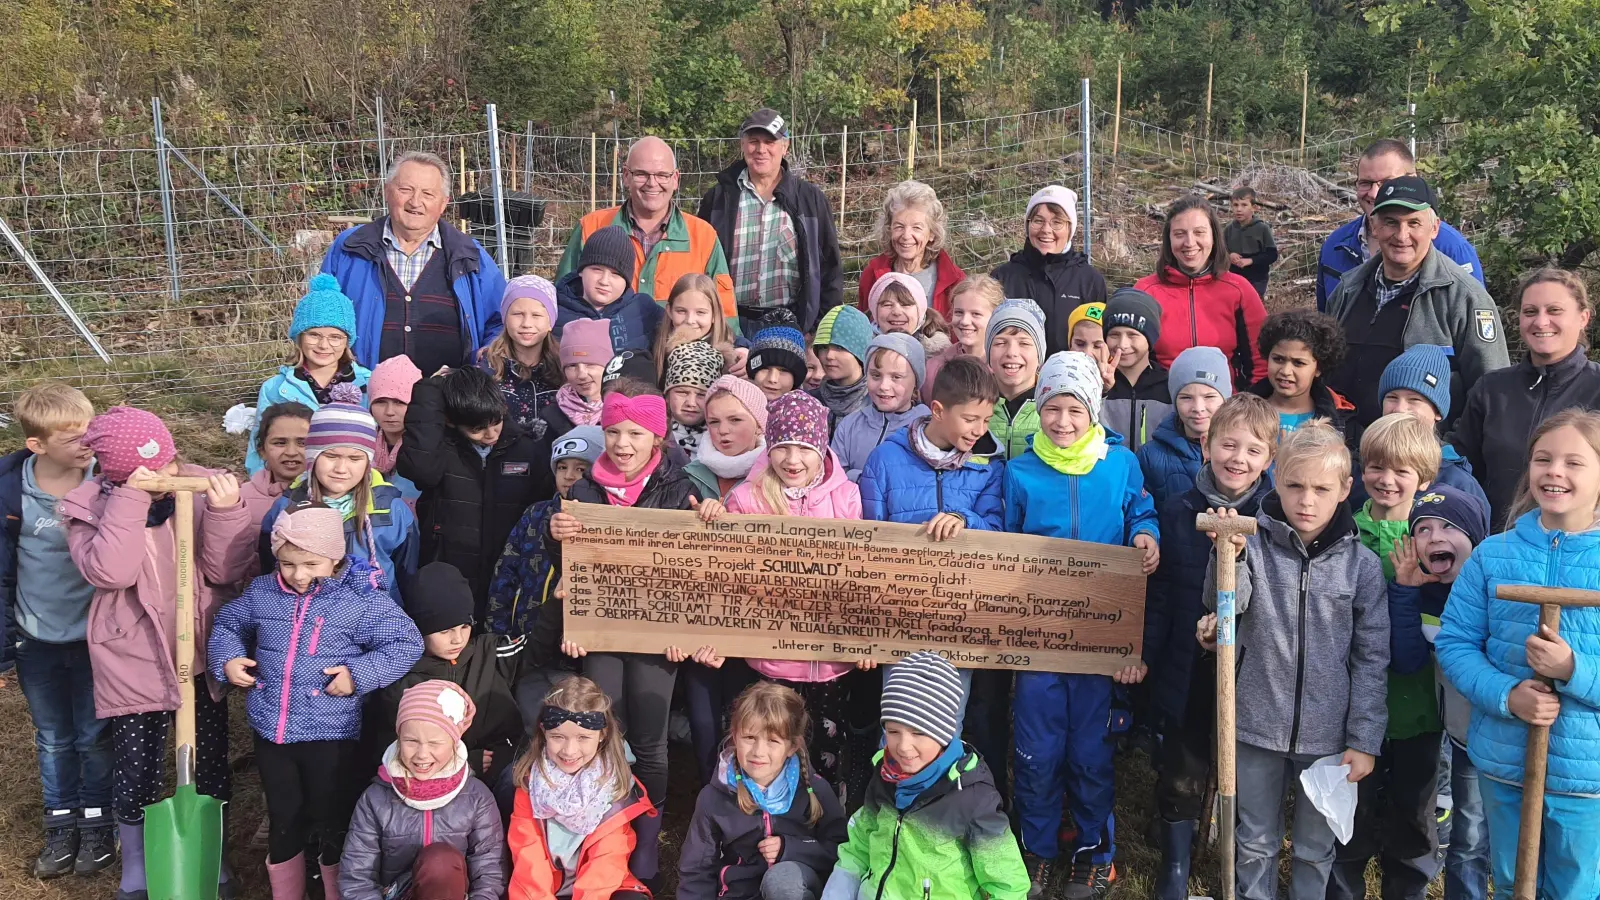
[(324, 306)]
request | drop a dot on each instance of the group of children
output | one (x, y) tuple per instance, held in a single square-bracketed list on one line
[(386, 591)]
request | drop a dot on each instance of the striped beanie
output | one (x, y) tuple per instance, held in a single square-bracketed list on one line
[(924, 692), (437, 702), (847, 328), (781, 347), (342, 423)]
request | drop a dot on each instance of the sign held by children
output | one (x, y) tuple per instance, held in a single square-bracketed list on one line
[(780, 587)]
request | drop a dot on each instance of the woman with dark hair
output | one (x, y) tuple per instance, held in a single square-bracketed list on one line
[(1203, 304), (1048, 271)]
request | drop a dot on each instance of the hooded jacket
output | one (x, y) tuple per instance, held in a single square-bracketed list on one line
[(469, 503), (1501, 413), (288, 387), (1170, 460), (132, 632), (388, 543), (356, 258), (953, 842), (946, 275), (1109, 505), (1135, 411), (1313, 635), (719, 858), (1482, 649), (1222, 311), (898, 486), (602, 857), (1058, 282), (634, 317), (821, 271), (342, 621), (386, 835), (862, 431)]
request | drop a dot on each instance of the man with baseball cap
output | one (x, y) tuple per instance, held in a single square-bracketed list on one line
[(776, 228), (1410, 293)]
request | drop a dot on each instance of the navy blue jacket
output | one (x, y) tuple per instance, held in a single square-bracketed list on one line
[(897, 486), (1169, 460), (1341, 252), (11, 506), (633, 316)]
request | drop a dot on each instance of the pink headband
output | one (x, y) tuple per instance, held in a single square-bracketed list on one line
[(648, 411), (912, 286), (318, 530)]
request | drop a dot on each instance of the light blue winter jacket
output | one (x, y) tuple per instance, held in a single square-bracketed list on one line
[(862, 431), (287, 387), (1481, 649)]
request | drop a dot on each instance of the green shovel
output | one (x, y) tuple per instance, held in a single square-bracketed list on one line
[(183, 834)]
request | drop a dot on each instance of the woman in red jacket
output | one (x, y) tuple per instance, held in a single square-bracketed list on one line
[(1203, 304), (911, 231)]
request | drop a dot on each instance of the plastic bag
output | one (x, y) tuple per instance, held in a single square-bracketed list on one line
[(1332, 795), (239, 419)]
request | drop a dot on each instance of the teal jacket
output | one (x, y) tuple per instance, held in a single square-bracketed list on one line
[(287, 387)]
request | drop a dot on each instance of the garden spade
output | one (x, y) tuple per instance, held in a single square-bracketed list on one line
[(183, 834)]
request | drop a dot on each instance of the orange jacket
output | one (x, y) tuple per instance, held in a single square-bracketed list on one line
[(602, 858), (689, 246)]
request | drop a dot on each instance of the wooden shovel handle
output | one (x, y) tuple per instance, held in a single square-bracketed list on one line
[(167, 483), (1534, 766), (1533, 593)]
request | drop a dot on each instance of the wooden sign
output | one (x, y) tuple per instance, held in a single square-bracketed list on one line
[(781, 587)]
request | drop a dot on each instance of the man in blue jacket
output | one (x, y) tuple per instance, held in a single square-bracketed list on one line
[(1350, 246), (420, 287)]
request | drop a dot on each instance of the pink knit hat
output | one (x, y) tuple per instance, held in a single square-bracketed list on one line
[(648, 411), (798, 418), (393, 379), (912, 286), (124, 438), (313, 528), (586, 341), (437, 702), (745, 392)]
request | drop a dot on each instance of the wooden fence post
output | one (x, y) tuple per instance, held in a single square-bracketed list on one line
[(594, 168), (844, 169), (1305, 95), (911, 142), (1116, 121), (1211, 69), (938, 117)]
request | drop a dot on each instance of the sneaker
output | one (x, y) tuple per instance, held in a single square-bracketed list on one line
[(1041, 875), (1443, 819), (1086, 880), (97, 849), (60, 849)]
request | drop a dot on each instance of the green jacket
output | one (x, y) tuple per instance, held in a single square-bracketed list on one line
[(1413, 699), (954, 842), (1012, 434)]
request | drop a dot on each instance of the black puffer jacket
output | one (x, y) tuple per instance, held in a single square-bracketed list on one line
[(1058, 282), (468, 504), (720, 859), (1502, 410)]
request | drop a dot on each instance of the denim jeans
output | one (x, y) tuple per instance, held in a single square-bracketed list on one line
[(1466, 862), (74, 746)]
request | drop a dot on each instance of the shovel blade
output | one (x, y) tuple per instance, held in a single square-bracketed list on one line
[(183, 846)]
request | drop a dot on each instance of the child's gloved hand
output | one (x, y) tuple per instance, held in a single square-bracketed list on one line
[(1534, 702), (1152, 553), (1549, 655), (223, 492), (1360, 765), (564, 525), (237, 672), (1407, 562), (342, 685), (1205, 631), (770, 847), (707, 510)]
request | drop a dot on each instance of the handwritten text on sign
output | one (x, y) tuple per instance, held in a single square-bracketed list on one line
[(779, 587)]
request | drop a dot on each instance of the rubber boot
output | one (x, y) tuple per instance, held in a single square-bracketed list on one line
[(1172, 880), (330, 881), (132, 885), (288, 878)]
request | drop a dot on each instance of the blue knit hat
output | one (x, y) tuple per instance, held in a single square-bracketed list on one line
[(324, 306), (847, 328), (781, 347), (1457, 507), (1424, 368)]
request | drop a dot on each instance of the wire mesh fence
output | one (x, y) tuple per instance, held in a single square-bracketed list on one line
[(254, 208)]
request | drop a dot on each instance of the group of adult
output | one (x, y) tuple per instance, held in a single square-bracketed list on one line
[(1393, 277)]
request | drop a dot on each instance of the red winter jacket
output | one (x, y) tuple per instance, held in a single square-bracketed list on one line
[(946, 276), (1210, 311)]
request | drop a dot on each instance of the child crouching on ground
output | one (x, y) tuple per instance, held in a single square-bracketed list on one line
[(309, 642), (766, 826), (572, 831), (1077, 481), (1313, 632), (931, 807), (426, 827), (1492, 649)]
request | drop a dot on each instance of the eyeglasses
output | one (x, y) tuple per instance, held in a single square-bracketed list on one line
[(1363, 185), (647, 177)]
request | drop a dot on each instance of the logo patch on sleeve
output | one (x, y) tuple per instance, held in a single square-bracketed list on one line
[(1485, 320)]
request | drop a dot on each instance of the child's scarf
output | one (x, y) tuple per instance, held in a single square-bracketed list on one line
[(578, 409), (939, 460), (688, 437), (725, 466), (424, 793), (799, 493), (908, 787), (621, 490), (577, 802), (1077, 459), (386, 455), (774, 799)]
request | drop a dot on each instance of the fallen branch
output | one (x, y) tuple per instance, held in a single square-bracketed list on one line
[(1223, 193), (1338, 189)]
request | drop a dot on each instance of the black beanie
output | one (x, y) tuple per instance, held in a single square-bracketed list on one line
[(438, 598), (610, 247)]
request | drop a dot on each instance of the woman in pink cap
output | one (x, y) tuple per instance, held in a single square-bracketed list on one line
[(634, 471), (525, 357)]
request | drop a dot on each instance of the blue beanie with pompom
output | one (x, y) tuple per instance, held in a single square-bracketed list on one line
[(324, 306)]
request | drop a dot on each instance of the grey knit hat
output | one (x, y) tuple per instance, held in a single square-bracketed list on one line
[(905, 345), (1200, 365), (1017, 313), (1074, 373), (585, 442), (924, 691)]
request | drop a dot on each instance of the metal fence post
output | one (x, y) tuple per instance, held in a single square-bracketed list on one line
[(168, 217), (501, 250), (55, 293), (527, 160), (1084, 112)]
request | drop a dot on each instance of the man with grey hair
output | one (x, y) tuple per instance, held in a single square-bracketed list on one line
[(420, 287), (1411, 293), (667, 242)]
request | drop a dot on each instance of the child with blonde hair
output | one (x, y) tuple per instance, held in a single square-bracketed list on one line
[(525, 357), (972, 301), (694, 313)]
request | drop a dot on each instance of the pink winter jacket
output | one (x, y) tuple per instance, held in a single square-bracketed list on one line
[(837, 497), (132, 644), (258, 494)]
